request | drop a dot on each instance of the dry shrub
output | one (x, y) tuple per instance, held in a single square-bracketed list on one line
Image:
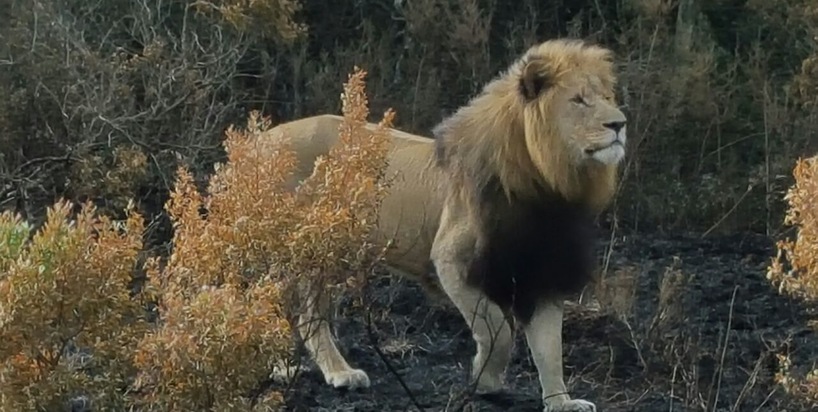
[(270, 18), (68, 324), (223, 307), (343, 197), (460, 25), (801, 278), (654, 8), (112, 181), (72, 328), (795, 267), (617, 293), (156, 78), (671, 294)]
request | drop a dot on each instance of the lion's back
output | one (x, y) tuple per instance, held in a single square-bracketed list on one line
[(410, 212), (309, 138)]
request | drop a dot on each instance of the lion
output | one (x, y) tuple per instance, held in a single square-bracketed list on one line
[(497, 210)]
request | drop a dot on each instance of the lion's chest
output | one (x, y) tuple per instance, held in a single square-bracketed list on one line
[(530, 250)]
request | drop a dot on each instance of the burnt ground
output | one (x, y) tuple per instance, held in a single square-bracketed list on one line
[(712, 350)]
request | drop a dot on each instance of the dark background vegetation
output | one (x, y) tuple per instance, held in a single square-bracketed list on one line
[(720, 93), (101, 100)]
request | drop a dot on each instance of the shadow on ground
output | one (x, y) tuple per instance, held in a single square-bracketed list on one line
[(714, 348)]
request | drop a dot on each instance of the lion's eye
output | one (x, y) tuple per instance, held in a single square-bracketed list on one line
[(579, 100)]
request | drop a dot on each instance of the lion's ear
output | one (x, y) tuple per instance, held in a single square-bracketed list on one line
[(535, 79)]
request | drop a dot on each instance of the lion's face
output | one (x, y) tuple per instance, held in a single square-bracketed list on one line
[(571, 85), (589, 121)]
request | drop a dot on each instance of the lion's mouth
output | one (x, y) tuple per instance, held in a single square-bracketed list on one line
[(592, 150)]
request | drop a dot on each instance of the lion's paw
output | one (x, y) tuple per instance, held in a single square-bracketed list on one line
[(573, 405), (349, 379)]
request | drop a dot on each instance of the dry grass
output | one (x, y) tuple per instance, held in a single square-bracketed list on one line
[(795, 268), (72, 327)]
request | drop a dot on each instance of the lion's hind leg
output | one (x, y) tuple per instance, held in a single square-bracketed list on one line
[(314, 328)]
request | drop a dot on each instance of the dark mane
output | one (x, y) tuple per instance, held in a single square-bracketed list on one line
[(531, 250)]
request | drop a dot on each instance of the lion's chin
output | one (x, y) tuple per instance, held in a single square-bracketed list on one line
[(610, 155)]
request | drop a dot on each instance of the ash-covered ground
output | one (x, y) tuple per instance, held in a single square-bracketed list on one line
[(708, 340)]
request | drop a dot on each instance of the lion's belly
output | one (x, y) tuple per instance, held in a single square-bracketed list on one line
[(410, 213), (409, 236)]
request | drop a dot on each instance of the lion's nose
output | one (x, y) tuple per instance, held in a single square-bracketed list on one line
[(615, 126)]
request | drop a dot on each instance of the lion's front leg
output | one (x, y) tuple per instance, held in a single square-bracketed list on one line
[(314, 328), (490, 329), (544, 336)]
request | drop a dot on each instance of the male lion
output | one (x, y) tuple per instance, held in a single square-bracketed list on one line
[(501, 203)]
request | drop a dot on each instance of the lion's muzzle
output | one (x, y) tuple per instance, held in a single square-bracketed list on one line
[(611, 153)]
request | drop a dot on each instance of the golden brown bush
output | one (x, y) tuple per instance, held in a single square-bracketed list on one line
[(795, 267), (223, 318), (801, 254), (222, 296), (68, 324), (343, 197)]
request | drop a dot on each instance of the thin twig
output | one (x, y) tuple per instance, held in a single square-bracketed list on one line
[(373, 339), (724, 348), (729, 212)]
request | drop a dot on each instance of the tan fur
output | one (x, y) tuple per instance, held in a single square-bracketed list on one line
[(409, 214), (528, 130)]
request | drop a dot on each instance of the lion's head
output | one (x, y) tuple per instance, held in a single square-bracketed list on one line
[(550, 121)]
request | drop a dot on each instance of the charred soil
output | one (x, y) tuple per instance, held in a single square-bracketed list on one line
[(698, 327)]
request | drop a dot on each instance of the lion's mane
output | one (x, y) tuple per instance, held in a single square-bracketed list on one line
[(533, 204)]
